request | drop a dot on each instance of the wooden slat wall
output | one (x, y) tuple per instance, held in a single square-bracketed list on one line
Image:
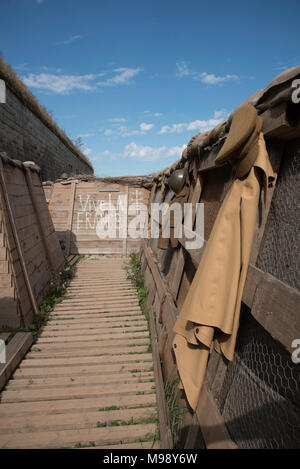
[(33, 250), (168, 276), (73, 210)]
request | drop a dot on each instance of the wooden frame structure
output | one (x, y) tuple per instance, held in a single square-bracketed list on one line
[(273, 303), (30, 251)]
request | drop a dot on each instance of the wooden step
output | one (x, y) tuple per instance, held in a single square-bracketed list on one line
[(81, 370), (104, 378), (29, 424), (96, 390), (77, 438)]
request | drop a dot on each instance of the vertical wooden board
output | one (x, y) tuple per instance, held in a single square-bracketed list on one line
[(70, 217), (125, 191)]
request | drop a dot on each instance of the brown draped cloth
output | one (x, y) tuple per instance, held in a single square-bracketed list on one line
[(209, 317)]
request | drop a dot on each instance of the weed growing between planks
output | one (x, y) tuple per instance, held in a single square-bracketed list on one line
[(175, 411), (134, 273)]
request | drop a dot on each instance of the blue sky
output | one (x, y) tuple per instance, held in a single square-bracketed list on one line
[(136, 80)]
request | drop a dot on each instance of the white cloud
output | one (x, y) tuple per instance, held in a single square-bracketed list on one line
[(64, 84), (87, 151), (61, 84), (124, 131), (70, 39), (103, 155), (195, 126), (148, 153), (182, 69), (118, 119), (122, 76), (145, 127), (206, 78), (154, 114), (211, 79)]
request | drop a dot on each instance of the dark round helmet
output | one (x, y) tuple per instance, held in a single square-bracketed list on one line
[(177, 180)]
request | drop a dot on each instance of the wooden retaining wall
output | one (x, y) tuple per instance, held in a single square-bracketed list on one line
[(73, 205), (29, 248), (273, 303)]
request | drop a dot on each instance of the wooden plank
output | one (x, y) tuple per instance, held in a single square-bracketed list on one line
[(274, 304), (75, 420), (124, 190), (276, 123), (81, 392), (70, 217), (193, 433), (4, 336), (30, 364), (82, 372), (15, 352), (69, 438), (212, 425), (164, 425), (74, 260)]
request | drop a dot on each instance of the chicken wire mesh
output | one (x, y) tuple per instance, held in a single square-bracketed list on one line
[(260, 398)]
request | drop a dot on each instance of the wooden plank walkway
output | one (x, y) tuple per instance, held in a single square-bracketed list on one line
[(88, 381)]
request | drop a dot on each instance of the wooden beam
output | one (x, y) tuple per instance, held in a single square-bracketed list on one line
[(70, 217), (276, 123), (212, 425), (164, 425), (15, 352), (125, 192), (274, 304), (192, 436)]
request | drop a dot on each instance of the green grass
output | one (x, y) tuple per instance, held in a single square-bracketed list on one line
[(175, 411), (132, 421), (134, 273)]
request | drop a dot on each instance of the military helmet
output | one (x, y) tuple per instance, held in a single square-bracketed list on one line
[(177, 180)]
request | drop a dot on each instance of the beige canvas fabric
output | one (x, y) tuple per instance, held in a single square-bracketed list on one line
[(209, 317)]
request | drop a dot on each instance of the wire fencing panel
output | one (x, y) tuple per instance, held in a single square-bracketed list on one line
[(260, 398)]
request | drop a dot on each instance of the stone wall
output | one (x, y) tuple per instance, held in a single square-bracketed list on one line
[(24, 137)]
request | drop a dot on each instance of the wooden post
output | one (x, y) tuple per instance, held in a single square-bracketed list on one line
[(125, 192), (70, 218)]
